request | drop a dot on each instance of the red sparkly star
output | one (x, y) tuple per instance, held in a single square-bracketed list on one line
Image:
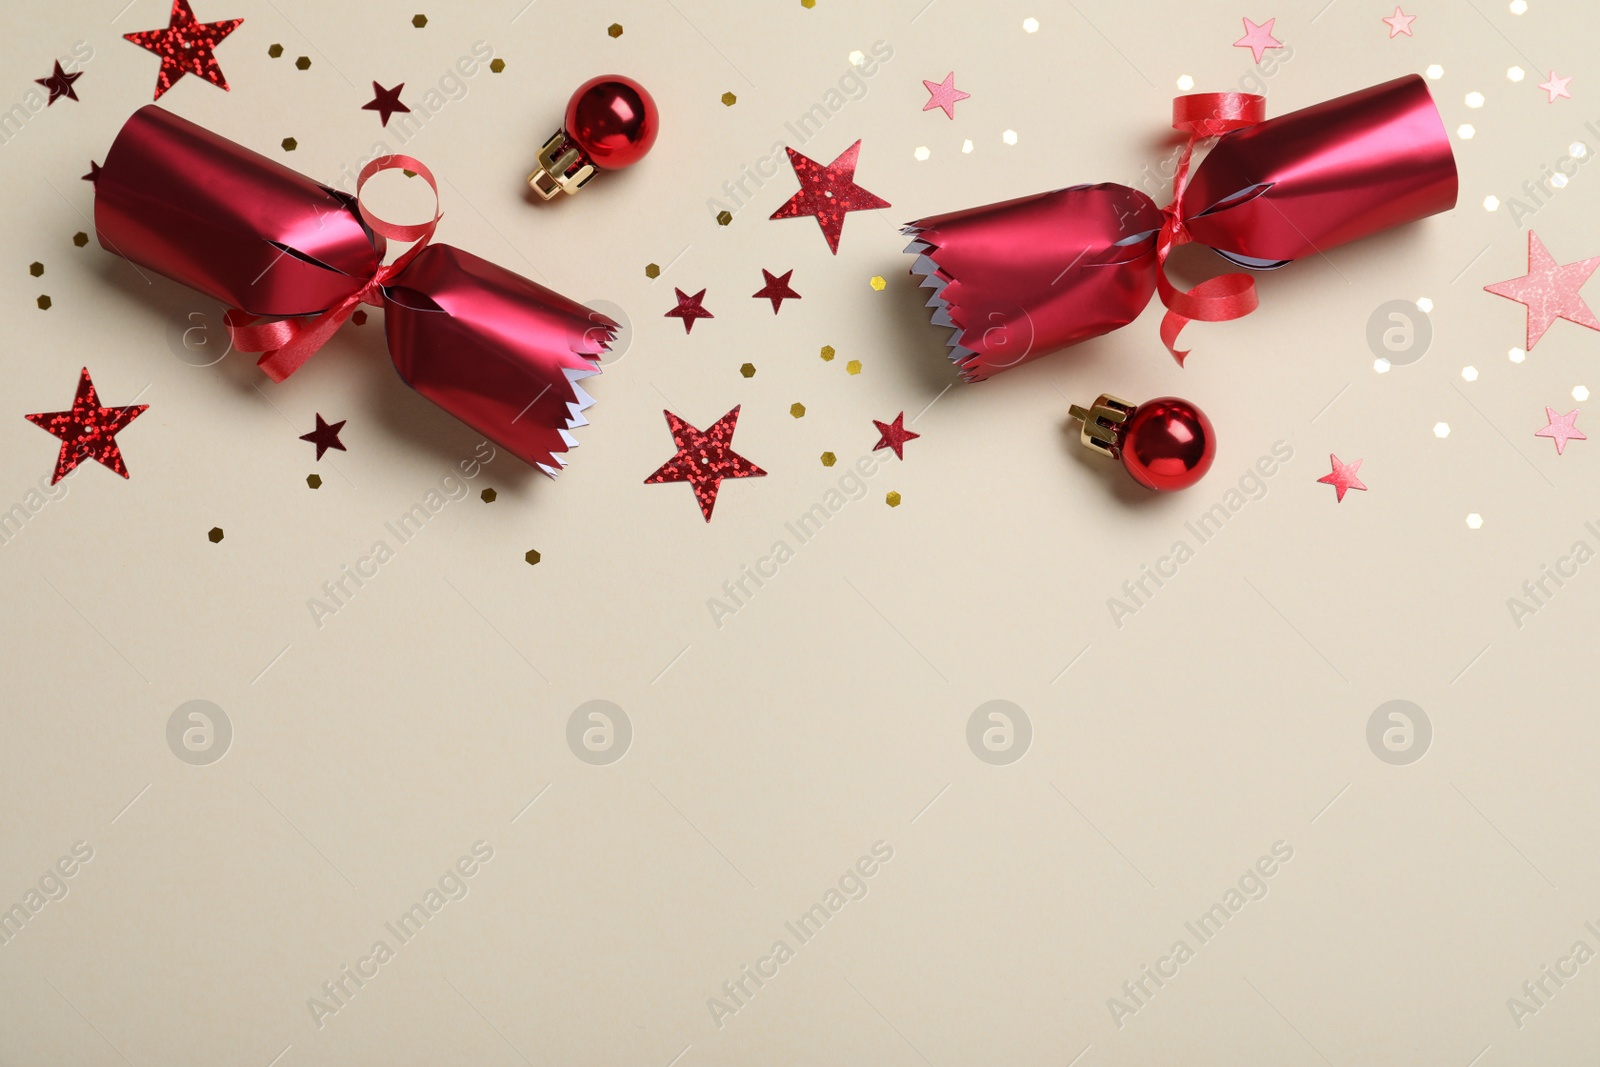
[(88, 431), (385, 101), (1561, 428), (894, 435), (1550, 289), (59, 84), (94, 172), (828, 193), (325, 436), (704, 459), (777, 289), (689, 309), (944, 95), (1343, 477), (185, 47)]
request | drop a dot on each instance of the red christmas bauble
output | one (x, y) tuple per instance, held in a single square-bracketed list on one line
[(613, 121), (1167, 443)]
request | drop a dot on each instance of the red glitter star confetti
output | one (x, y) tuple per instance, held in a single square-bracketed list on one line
[(88, 431), (386, 102), (704, 459), (1550, 290), (60, 84), (1556, 87), (1399, 23), (185, 47), (1258, 38), (894, 435), (1561, 429), (828, 193), (944, 95), (777, 288), (689, 309), (1343, 477), (94, 172), (325, 436)]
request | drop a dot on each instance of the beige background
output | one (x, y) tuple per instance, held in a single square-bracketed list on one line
[(830, 713)]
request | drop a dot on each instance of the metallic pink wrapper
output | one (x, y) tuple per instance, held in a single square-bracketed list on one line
[(497, 351), (1017, 280)]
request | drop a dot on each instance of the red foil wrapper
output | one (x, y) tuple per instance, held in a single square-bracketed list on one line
[(1017, 280), (499, 352)]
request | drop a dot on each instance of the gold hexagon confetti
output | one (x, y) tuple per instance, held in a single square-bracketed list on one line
[(829, 459), (488, 496), (303, 63), (215, 535), (532, 557), (44, 303), (314, 481), (808, 4), (652, 270), (35, 269), (290, 144), (827, 353), (748, 370), (419, 21), (878, 283), (497, 65), (853, 367), (724, 217), (892, 499), (275, 51), (798, 410), (728, 99), (80, 238), (615, 29)]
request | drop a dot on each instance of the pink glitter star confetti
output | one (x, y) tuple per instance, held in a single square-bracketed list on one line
[(1258, 38), (828, 193), (704, 459), (1556, 87), (1400, 23), (894, 435), (776, 288), (944, 95), (1550, 290), (689, 309), (186, 46), (1561, 429), (88, 430), (1343, 477)]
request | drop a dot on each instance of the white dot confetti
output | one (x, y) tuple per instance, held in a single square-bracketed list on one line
[(1517, 355), (921, 153), (1030, 25), (856, 58), (966, 146), (1435, 71), (1491, 203), (1424, 305), (1465, 131), (1009, 137), (1469, 374), (1516, 74), (1558, 180), (1519, 7), (1577, 149), (1474, 99), (1441, 429), (1580, 393), (1380, 365), (1474, 521), (1185, 82)]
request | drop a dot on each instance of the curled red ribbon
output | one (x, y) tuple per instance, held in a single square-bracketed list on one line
[(288, 343)]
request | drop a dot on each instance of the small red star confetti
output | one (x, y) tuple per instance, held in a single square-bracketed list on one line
[(1561, 429), (185, 47), (1400, 23), (385, 101), (894, 435), (689, 309), (60, 84), (944, 95), (1556, 87), (777, 288), (704, 459), (1550, 290), (325, 436), (1343, 477), (1258, 38), (94, 172), (88, 431), (828, 193)]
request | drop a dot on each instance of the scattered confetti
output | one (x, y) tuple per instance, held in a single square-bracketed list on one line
[(1469, 374), (921, 154), (60, 84), (1516, 74), (944, 95), (303, 63), (385, 102), (1474, 521), (1400, 23), (1580, 393), (728, 99), (1009, 137), (776, 289), (185, 47), (894, 435), (87, 431), (827, 353), (325, 436), (1030, 25), (1550, 290), (829, 459), (1434, 71), (290, 144), (419, 21), (488, 496), (358, 318), (892, 498), (215, 535), (1343, 477), (1474, 100), (704, 459), (724, 218), (828, 193), (1561, 428), (532, 557), (44, 303), (1258, 38), (689, 309), (94, 172), (615, 29), (878, 283), (1441, 430), (80, 238), (652, 271), (314, 481), (275, 51), (747, 369), (853, 367), (497, 65), (1556, 87), (36, 269), (798, 410)]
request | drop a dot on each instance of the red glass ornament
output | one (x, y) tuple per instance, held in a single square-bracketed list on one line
[(611, 122), (1164, 444)]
